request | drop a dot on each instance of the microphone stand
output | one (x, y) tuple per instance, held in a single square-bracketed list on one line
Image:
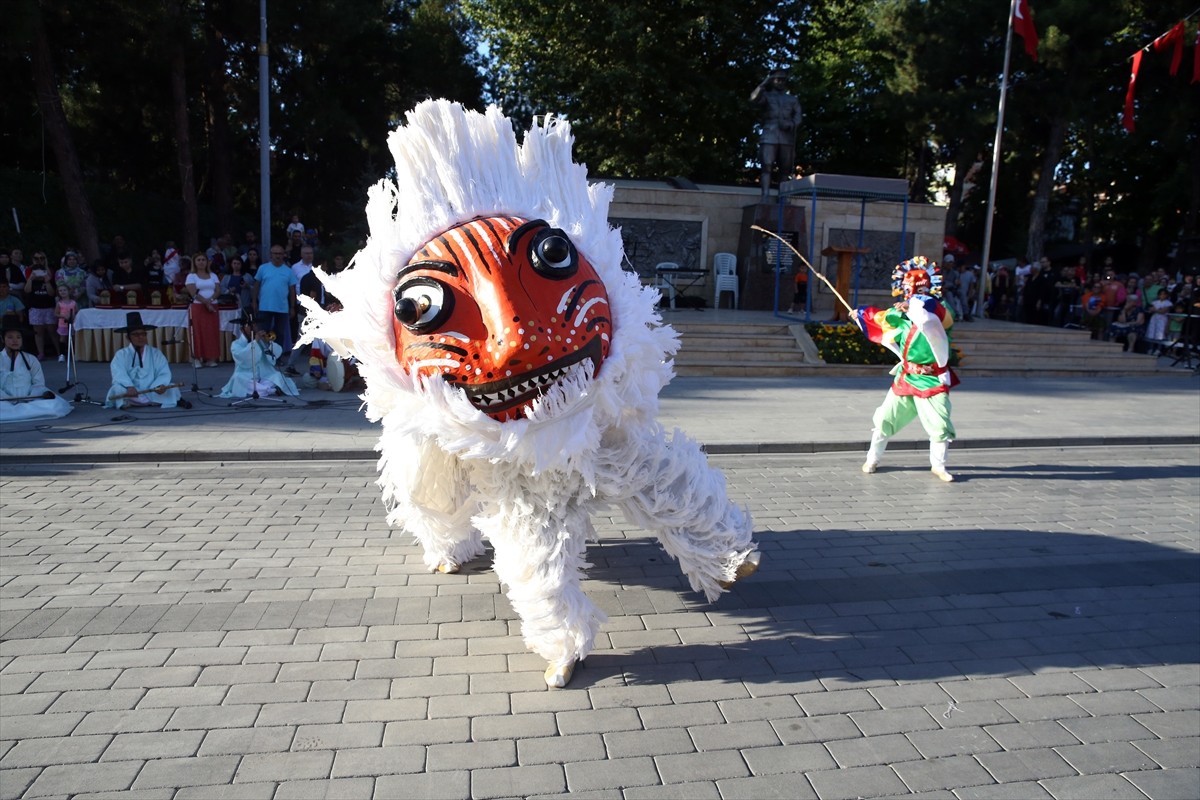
[(263, 348), (73, 368), (70, 358)]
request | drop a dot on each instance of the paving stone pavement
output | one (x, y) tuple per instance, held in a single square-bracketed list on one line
[(255, 630)]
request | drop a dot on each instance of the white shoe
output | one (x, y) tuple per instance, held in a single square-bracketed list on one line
[(61, 358), (869, 467), (210, 363), (560, 676), (942, 475), (196, 363)]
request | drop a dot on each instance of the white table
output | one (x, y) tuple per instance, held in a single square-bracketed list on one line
[(97, 340), (677, 281)]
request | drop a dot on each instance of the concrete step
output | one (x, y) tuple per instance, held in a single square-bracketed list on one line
[(1026, 346), (1116, 364), (757, 355), (748, 348), (726, 342), (733, 368)]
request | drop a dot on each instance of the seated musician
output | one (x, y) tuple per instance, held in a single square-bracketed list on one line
[(23, 392), (254, 355), (141, 375)]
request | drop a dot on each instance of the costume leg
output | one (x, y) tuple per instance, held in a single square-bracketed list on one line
[(893, 414), (671, 489), (428, 494), (935, 419), (875, 451), (539, 558)]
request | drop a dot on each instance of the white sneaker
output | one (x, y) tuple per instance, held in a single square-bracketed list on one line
[(869, 467), (61, 358), (196, 363), (942, 475)]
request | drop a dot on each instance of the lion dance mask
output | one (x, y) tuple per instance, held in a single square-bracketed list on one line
[(515, 368)]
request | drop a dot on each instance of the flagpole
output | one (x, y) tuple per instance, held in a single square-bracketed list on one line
[(991, 204)]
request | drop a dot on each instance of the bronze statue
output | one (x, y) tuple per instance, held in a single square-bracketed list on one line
[(780, 118)]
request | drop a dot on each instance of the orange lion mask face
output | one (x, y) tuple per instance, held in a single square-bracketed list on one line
[(500, 307)]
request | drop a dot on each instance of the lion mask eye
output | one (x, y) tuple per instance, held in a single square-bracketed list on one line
[(553, 255), (422, 304)]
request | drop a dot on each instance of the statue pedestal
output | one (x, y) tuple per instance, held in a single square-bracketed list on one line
[(845, 264), (756, 262)]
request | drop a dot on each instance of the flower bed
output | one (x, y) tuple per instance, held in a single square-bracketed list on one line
[(845, 344)]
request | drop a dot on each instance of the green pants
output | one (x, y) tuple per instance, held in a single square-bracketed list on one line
[(899, 410)]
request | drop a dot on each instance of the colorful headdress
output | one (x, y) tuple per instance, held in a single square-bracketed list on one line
[(917, 275)]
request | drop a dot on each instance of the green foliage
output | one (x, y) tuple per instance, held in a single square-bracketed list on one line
[(891, 88), (341, 77), (143, 218), (845, 344), (653, 89)]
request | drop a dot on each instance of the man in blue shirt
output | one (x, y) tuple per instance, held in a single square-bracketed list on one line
[(275, 298)]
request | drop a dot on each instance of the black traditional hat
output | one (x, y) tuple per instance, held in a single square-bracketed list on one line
[(245, 319), (133, 322), (11, 322)]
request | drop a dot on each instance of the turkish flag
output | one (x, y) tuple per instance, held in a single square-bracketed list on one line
[(1173, 38), (1023, 24)]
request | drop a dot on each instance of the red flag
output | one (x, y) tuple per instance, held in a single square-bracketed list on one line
[(1173, 37), (1127, 120), (1023, 24)]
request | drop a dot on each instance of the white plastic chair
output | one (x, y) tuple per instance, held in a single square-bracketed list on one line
[(663, 284), (725, 265)]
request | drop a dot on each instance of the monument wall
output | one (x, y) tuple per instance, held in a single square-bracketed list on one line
[(662, 222)]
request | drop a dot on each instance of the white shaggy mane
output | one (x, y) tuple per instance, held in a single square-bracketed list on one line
[(441, 144)]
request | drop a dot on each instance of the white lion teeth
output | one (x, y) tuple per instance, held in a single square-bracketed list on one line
[(489, 399)]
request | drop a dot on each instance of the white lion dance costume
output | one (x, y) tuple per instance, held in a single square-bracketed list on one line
[(515, 368)]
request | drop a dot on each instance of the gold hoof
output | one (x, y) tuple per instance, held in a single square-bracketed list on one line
[(559, 676), (748, 567), (447, 568)]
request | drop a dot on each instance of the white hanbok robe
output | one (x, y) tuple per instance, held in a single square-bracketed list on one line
[(21, 376), (150, 369), (251, 360)]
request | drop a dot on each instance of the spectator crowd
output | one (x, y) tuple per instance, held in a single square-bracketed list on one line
[(1143, 312), (42, 295)]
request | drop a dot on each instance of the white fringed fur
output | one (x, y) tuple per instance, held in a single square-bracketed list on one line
[(452, 476)]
